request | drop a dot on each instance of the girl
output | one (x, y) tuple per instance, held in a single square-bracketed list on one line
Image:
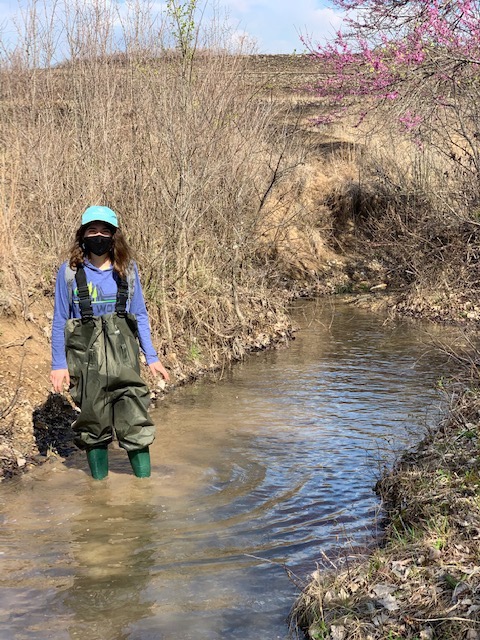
[(98, 316)]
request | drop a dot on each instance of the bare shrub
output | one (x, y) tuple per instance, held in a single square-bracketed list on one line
[(174, 139), (402, 204)]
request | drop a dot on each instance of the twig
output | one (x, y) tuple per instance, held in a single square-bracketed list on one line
[(4, 412), (328, 560), (15, 343), (276, 563), (446, 619), (292, 576)]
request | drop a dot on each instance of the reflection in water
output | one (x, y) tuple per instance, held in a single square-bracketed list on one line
[(111, 549), (272, 465)]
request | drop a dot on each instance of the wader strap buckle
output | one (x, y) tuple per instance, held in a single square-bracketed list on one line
[(122, 297), (84, 301)]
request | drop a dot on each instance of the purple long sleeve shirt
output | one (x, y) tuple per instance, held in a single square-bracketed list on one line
[(103, 294)]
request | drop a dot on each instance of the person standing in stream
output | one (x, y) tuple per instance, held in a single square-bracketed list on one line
[(99, 320)]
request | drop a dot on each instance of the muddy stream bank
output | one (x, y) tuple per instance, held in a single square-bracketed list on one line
[(273, 465)]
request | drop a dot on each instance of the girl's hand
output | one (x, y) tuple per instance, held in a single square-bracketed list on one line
[(157, 367), (57, 378)]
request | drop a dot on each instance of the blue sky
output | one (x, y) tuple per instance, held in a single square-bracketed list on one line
[(274, 25)]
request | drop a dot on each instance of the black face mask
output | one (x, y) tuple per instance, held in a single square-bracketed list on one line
[(99, 245)]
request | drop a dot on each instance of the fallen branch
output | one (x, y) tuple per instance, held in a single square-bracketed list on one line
[(15, 343), (8, 409)]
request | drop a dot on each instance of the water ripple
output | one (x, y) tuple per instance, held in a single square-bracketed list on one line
[(274, 465)]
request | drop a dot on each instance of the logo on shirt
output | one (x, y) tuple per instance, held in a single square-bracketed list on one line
[(102, 302)]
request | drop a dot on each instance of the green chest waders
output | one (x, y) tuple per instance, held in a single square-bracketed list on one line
[(103, 362)]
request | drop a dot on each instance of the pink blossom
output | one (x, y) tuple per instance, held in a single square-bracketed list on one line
[(410, 120), (390, 51)]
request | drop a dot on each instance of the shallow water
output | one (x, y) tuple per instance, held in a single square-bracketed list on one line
[(271, 467)]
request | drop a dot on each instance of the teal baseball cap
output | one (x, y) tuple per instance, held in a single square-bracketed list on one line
[(100, 214)]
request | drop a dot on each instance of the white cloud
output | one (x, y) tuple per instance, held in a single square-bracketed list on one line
[(322, 24), (243, 41), (277, 24)]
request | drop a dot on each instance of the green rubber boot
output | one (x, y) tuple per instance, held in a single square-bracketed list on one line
[(140, 461), (98, 462)]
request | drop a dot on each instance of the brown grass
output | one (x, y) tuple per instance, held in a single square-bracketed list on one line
[(186, 149)]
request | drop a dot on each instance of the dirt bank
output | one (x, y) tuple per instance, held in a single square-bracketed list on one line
[(24, 386)]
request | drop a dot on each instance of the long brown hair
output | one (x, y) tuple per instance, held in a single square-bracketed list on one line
[(120, 253)]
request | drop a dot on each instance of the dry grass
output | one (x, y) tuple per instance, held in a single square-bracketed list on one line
[(189, 150), (410, 208)]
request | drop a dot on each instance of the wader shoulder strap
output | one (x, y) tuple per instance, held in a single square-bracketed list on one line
[(122, 297), (85, 303), (125, 288)]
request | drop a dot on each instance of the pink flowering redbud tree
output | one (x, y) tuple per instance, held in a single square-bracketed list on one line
[(419, 61)]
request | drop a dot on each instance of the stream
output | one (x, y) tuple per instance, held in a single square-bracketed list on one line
[(270, 468)]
